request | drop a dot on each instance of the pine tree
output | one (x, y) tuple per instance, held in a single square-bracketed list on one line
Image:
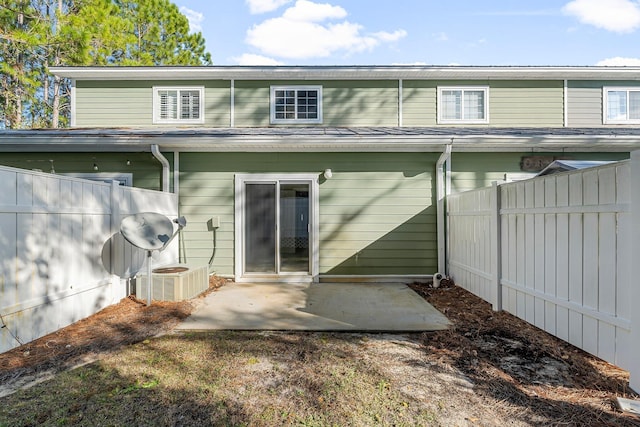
[(38, 34), (161, 35)]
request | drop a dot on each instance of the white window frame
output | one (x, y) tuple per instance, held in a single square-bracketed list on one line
[(156, 105), (484, 89), (124, 179), (605, 105), (296, 88)]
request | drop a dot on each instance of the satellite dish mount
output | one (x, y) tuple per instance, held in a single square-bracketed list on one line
[(150, 231)]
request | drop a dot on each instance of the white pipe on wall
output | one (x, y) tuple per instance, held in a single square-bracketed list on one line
[(155, 150), (441, 192)]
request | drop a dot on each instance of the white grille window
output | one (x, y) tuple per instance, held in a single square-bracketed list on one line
[(463, 105), (621, 105), (296, 104), (178, 105)]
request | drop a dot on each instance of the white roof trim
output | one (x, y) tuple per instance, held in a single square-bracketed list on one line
[(91, 141), (381, 72)]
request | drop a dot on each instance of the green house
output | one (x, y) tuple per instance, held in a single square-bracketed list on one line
[(328, 173)]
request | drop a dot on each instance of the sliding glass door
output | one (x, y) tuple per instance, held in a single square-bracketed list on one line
[(276, 226)]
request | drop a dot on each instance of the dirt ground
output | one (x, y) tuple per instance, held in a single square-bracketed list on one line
[(490, 365)]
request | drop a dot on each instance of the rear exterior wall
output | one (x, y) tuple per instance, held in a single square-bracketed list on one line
[(377, 215), (348, 103)]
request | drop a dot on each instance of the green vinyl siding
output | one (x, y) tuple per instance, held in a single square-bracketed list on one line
[(419, 103), (344, 103), (511, 103), (376, 212), (361, 103), (251, 103), (145, 169), (585, 102), (477, 170), (130, 103)]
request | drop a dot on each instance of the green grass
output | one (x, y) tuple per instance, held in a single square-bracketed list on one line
[(222, 378)]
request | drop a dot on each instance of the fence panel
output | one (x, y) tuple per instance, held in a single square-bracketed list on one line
[(58, 237), (471, 242), (564, 254)]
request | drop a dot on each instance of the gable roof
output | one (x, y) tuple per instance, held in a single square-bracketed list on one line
[(324, 139)]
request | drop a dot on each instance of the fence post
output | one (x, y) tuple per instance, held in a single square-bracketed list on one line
[(116, 282), (634, 293), (496, 239)]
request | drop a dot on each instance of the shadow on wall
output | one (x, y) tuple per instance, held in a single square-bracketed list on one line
[(135, 257), (49, 256), (410, 248)]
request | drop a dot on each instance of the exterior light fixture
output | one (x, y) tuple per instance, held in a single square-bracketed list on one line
[(95, 166), (327, 173)]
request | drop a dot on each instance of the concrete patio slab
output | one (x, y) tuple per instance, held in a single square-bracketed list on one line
[(315, 307)]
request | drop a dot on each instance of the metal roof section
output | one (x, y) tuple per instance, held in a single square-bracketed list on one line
[(558, 166), (373, 72), (324, 139)]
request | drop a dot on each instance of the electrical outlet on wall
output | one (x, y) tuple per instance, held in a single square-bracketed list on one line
[(214, 222)]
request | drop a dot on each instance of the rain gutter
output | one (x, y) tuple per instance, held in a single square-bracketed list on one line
[(441, 193)]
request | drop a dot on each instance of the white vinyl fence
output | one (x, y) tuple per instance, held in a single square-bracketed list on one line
[(557, 252), (61, 255)]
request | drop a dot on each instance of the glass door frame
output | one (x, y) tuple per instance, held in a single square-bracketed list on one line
[(240, 223)]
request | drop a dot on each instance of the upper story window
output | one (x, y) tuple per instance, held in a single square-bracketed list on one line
[(296, 104), (621, 105), (178, 105), (463, 105)]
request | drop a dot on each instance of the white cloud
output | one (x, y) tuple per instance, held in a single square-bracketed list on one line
[(619, 61), (300, 33), (251, 59), (307, 11), (390, 37), (195, 18), (263, 6), (620, 16)]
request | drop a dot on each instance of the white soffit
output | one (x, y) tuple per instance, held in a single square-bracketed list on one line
[(348, 73)]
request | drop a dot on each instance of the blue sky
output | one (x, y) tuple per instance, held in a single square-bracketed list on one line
[(430, 32)]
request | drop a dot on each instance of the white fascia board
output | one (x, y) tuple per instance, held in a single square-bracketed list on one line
[(252, 143), (348, 73)]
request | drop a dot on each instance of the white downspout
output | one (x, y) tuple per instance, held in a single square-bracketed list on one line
[(155, 150), (565, 106), (441, 192)]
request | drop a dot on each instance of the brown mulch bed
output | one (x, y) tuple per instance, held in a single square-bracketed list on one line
[(507, 359), (127, 322), (517, 363)]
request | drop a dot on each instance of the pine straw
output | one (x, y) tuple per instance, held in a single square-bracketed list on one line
[(130, 321), (520, 365), (532, 376)]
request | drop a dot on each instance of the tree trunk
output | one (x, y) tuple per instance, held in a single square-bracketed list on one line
[(55, 115), (55, 106)]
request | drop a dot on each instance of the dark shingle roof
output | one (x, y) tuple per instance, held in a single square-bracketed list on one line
[(323, 139)]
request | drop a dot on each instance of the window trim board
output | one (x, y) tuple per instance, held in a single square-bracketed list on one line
[(156, 105), (272, 104), (441, 120), (605, 105)]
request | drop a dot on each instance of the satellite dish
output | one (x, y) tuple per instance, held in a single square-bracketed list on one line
[(148, 230)]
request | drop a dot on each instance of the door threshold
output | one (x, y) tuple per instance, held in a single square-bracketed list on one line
[(276, 279)]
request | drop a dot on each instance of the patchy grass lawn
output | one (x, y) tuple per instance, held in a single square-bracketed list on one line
[(490, 369), (223, 378)]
